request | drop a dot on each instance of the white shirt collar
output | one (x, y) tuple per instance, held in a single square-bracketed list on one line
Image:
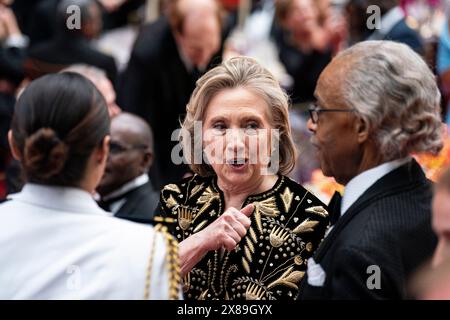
[(363, 181), (133, 184), (388, 22), (66, 199)]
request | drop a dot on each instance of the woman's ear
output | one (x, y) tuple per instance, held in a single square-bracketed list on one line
[(103, 151), (14, 149)]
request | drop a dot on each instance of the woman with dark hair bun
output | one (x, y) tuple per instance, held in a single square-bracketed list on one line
[(55, 242)]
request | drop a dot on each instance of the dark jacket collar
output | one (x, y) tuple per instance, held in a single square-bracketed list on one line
[(405, 177)]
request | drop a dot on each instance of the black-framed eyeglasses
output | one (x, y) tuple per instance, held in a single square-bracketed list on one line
[(314, 112), (117, 148)]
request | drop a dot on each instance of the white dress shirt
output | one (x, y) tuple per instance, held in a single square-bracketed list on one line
[(359, 184), (56, 243)]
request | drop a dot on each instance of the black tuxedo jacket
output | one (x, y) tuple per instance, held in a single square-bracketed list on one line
[(140, 204), (389, 226)]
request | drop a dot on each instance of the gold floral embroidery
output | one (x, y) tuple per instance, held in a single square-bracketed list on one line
[(171, 202), (306, 226), (207, 196), (254, 292), (172, 187), (245, 265), (289, 278), (206, 199), (248, 254), (184, 218), (200, 226), (287, 197), (319, 210), (196, 189), (250, 245), (266, 207), (252, 234), (278, 236), (298, 260)]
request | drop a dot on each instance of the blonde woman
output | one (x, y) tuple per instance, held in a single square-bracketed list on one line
[(245, 229)]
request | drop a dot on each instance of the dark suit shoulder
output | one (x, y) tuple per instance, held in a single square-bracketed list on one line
[(403, 33), (140, 204), (154, 42)]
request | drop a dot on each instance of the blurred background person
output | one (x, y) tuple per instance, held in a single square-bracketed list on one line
[(393, 24), (102, 83), (167, 59), (304, 45), (72, 45), (13, 46), (441, 218), (431, 283), (443, 66), (60, 134), (38, 17), (125, 188)]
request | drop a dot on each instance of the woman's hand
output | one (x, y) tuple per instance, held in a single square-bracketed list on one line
[(228, 230), (225, 232)]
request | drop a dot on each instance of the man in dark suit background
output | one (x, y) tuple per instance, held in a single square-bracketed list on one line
[(392, 23), (72, 45), (125, 188), (378, 102), (167, 59)]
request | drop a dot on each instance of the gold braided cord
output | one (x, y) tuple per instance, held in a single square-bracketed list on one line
[(149, 268), (172, 264)]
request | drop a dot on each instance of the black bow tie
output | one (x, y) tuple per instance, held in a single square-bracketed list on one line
[(106, 205), (335, 207)]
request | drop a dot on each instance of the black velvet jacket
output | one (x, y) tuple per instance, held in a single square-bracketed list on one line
[(287, 225)]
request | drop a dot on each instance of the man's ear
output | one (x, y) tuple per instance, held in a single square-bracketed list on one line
[(14, 149), (362, 129), (147, 160)]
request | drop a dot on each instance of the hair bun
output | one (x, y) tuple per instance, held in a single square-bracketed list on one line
[(45, 154)]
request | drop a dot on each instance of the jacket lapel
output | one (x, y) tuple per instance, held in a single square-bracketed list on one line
[(128, 209)]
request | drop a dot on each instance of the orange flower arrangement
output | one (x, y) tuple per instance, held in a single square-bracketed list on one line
[(434, 165)]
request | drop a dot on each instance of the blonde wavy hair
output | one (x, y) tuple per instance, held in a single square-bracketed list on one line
[(239, 72), (395, 92)]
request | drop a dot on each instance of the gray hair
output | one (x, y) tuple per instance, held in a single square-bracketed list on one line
[(396, 94)]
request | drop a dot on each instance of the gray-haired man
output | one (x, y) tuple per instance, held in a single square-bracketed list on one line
[(377, 104)]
